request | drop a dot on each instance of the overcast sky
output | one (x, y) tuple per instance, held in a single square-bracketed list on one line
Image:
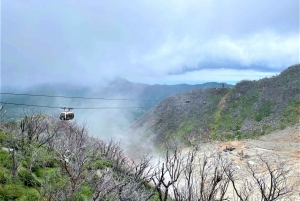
[(155, 41)]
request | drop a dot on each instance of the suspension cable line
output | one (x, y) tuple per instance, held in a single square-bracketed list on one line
[(79, 108), (75, 97)]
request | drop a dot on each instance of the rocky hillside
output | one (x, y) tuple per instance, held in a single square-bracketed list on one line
[(250, 109)]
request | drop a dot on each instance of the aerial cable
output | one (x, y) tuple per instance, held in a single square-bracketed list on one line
[(78, 108), (77, 97)]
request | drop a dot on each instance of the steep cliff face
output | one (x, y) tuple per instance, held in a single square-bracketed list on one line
[(250, 109)]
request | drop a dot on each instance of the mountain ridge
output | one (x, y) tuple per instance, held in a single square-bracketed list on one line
[(249, 109), (119, 88)]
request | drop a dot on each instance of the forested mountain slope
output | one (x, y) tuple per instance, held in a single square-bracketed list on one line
[(249, 109)]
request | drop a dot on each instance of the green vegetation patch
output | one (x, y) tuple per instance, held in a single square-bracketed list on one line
[(11, 192), (228, 119), (27, 178), (187, 126), (102, 163), (3, 136), (263, 111), (16, 191), (5, 176), (291, 115), (5, 159), (226, 127), (84, 194)]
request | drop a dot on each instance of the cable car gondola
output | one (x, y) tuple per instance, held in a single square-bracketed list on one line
[(66, 115)]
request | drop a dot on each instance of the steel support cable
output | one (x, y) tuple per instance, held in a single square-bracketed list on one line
[(79, 108), (75, 97)]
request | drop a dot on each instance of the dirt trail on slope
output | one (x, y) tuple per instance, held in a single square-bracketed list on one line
[(223, 101)]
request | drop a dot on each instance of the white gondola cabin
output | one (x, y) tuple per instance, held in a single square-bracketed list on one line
[(66, 115)]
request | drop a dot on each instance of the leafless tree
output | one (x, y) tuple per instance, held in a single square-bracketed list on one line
[(74, 155), (188, 189), (243, 189), (140, 173), (204, 177), (168, 173), (126, 179), (272, 184), (32, 126), (104, 182), (269, 179)]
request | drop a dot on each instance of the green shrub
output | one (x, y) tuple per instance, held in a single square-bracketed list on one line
[(84, 194), (30, 195), (10, 192), (18, 192), (27, 178), (4, 159), (100, 164), (39, 172), (3, 136), (26, 162), (291, 114), (46, 158), (4, 176), (51, 162), (155, 197), (264, 111)]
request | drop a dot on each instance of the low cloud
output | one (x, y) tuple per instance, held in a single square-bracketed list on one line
[(267, 50), (230, 76), (79, 41)]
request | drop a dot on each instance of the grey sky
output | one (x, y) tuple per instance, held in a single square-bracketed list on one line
[(165, 42)]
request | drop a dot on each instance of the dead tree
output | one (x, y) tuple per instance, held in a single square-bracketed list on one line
[(74, 155), (273, 183), (204, 177), (139, 174), (188, 189), (243, 191), (33, 126), (52, 130), (124, 179), (168, 173), (265, 182), (105, 182)]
